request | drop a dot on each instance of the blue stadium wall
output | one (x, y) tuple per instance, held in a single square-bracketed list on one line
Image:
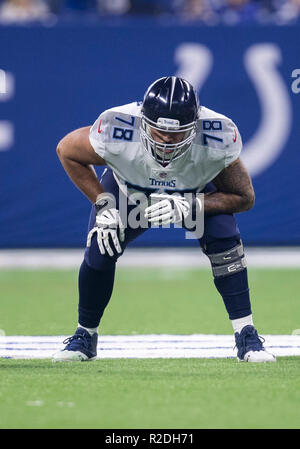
[(62, 77)]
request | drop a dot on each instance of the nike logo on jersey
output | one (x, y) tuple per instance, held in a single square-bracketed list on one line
[(235, 136), (99, 130)]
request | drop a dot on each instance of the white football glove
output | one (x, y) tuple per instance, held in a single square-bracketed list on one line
[(109, 227), (167, 209)]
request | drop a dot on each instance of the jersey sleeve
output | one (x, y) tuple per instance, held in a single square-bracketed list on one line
[(233, 142), (114, 127), (98, 133), (220, 135)]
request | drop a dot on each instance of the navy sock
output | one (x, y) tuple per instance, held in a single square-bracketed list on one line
[(95, 290), (233, 288)]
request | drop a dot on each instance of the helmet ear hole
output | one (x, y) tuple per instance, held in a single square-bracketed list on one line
[(170, 104)]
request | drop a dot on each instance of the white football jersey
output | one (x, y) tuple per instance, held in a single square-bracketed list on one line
[(115, 136)]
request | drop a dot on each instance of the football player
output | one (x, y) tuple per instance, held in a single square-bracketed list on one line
[(161, 149)]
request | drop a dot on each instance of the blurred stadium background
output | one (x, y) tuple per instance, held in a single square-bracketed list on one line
[(63, 62)]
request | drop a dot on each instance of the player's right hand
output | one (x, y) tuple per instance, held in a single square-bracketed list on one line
[(109, 228), (166, 209)]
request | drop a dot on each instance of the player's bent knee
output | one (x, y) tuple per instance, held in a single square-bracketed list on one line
[(228, 262), (98, 262)]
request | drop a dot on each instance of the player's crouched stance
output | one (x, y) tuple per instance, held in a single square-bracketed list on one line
[(166, 145)]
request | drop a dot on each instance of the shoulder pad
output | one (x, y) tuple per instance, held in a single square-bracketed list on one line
[(115, 126), (218, 132), (128, 109)]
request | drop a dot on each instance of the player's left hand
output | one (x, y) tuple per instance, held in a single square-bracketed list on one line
[(167, 209)]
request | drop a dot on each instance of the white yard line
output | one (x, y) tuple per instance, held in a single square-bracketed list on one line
[(147, 346), (143, 257)]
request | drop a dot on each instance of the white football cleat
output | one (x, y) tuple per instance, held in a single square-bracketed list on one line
[(250, 347)]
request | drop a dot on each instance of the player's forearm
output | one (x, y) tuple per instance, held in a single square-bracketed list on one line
[(83, 176), (227, 203)]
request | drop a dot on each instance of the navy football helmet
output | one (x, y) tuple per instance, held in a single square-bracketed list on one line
[(170, 106)]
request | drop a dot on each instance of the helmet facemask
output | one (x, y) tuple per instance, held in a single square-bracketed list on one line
[(165, 153)]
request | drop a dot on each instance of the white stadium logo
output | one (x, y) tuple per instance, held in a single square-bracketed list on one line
[(6, 93), (261, 63)]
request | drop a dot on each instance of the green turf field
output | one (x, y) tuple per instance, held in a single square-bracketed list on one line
[(148, 393)]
